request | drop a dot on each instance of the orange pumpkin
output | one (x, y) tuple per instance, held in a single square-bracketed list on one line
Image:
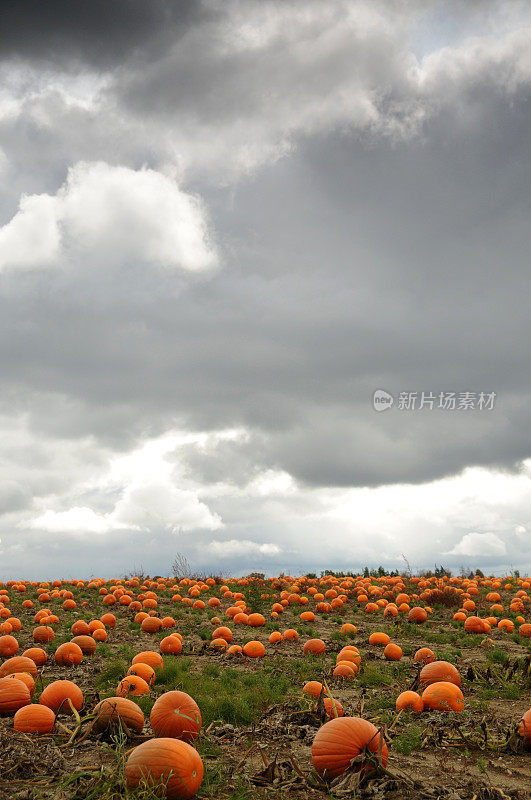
[(443, 696), (439, 671), (176, 714), (171, 762), (149, 657), (339, 741), (86, 643), (18, 664), (417, 615), (113, 711), (143, 671), (424, 655), (313, 688), (254, 649), (37, 655), (314, 647), (26, 678), (8, 646), (393, 652), (13, 695), (378, 637), (57, 694), (132, 685), (524, 729), (68, 653), (409, 701), (34, 718)]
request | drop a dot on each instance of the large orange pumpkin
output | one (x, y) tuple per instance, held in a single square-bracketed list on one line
[(409, 700), (439, 671), (132, 685), (143, 671), (176, 714), (13, 695), (57, 694), (18, 664), (86, 643), (68, 653), (171, 762), (37, 655), (314, 647), (149, 657), (443, 696), (337, 742), (8, 646), (34, 719), (115, 710)]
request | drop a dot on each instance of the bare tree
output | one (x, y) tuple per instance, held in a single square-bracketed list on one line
[(408, 565), (181, 567)]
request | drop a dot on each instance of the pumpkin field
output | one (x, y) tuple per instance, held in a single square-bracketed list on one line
[(291, 687)]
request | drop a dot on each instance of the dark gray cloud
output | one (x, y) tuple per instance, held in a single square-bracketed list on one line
[(99, 32)]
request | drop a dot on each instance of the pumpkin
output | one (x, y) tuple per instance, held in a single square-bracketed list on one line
[(393, 652), (313, 688), (346, 628), (132, 685), (235, 650), (223, 633), (474, 625), (439, 671), (171, 644), (424, 655), (290, 634), (143, 671), (26, 678), (409, 701), (13, 695), (378, 637), (340, 740), (176, 714), (418, 615), (86, 643), (37, 655), (254, 649), (34, 718), (443, 696), (115, 710), (256, 620), (69, 653), (345, 670), (43, 634), (333, 708), (525, 630), (314, 647), (525, 727), (219, 644), (8, 646), (80, 628), (151, 624), (149, 657), (170, 762), (57, 694), (18, 664), (275, 637)]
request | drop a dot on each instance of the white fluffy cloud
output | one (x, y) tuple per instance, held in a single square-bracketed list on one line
[(110, 215), (232, 548), (479, 545)]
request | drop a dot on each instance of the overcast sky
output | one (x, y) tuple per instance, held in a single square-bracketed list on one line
[(223, 226)]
